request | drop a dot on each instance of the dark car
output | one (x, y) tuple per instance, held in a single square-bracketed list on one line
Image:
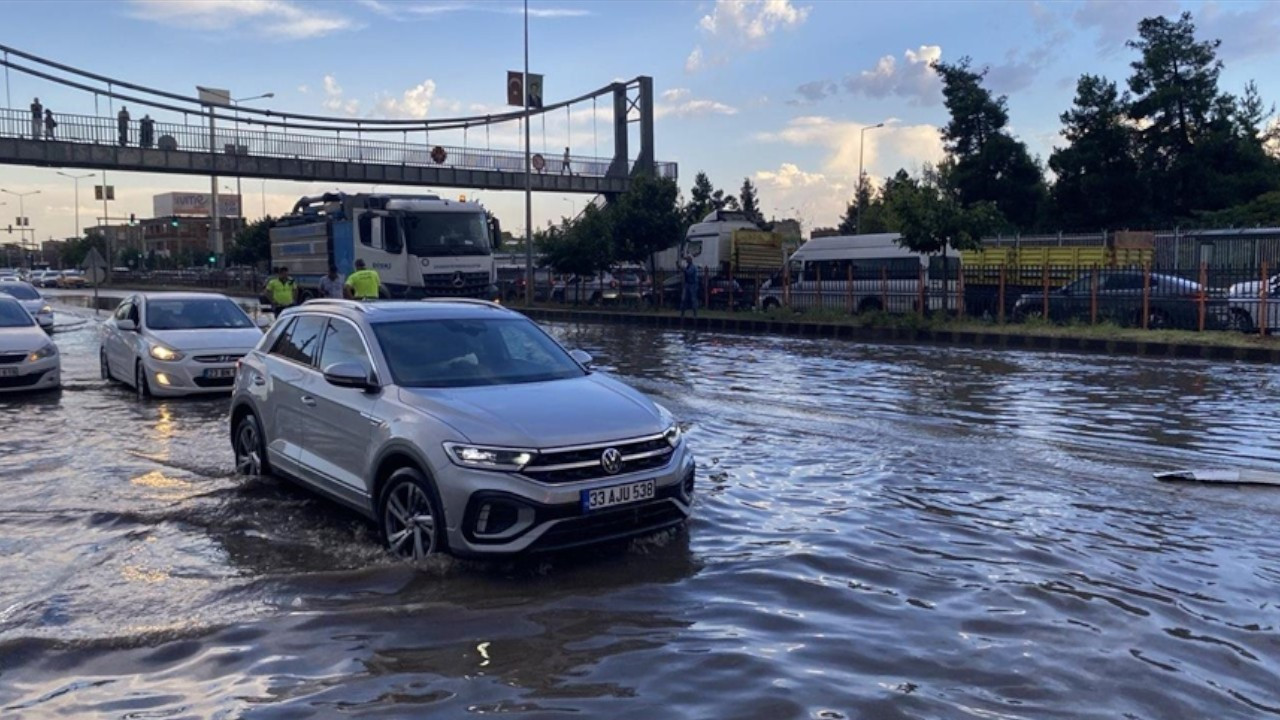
[(1172, 301), (721, 294)]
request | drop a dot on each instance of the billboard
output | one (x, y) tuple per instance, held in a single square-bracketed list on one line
[(194, 204)]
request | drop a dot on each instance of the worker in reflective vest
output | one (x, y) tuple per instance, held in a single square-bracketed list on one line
[(281, 291), (363, 284)]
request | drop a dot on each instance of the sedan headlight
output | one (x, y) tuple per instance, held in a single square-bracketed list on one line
[(46, 310), (161, 352), (489, 458), (47, 350), (673, 435)]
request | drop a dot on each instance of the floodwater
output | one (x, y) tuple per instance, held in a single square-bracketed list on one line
[(883, 532)]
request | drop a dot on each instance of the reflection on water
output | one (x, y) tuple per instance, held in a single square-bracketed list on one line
[(883, 532)]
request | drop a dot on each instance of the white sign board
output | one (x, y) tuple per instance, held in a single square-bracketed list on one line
[(194, 205), (213, 96)]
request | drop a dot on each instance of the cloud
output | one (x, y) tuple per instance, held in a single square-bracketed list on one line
[(887, 149), (304, 88), (1244, 33), (742, 24), (816, 90), (693, 63), (333, 98), (407, 11), (414, 103), (282, 19), (914, 79), (679, 102), (1116, 22), (789, 175)]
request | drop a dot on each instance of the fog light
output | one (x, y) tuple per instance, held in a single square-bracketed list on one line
[(496, 517), (162, 378), (687, 486)]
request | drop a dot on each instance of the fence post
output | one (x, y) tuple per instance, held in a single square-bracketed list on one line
[(706, 288), (923, 301), (1264, 317), (1204, 282), (729, 290), (1146, 296), (1000, 299), (1093, 298), (959, 289), (786, 285), (848, 288), (817, 267), (884, 289), (1044, 298)]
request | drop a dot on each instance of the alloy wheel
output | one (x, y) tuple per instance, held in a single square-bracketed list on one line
[(248, 448), (408, 522)]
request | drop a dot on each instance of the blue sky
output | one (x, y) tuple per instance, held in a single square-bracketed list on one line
[(775, 90)]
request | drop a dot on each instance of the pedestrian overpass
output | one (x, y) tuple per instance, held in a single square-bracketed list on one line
[(193, 138)]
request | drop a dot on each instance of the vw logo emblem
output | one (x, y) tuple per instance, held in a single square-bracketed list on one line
[(458, 280), (611, 461)]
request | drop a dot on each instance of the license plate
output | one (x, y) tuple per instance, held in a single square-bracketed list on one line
[(220, 373), (8, 372), (617, 495)]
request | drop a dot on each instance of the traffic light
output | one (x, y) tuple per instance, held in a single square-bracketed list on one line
[(213, 258), (173, 222), (133, 218)]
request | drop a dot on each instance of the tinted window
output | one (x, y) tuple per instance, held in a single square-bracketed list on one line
[(13, 315), (301, 341), (461, 353), (1123, 281), (391, 235), (202, 314), (460, 233), (122, 312), (366, 229), (22, 291), (342, 344)]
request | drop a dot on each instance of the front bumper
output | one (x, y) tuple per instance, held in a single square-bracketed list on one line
[(43, 374), (189, 376), (550, 516)]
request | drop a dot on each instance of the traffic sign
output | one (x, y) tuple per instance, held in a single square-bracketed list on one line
[(94, 260), (96, 275)]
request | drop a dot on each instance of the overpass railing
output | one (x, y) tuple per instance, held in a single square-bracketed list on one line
[(340, 146)]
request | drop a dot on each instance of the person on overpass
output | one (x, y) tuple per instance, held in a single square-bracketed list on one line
[(331, 285), (363, 284), (122, 123), (37, 113), (49, 124), (146, 131), (565, 167), (281, 292)]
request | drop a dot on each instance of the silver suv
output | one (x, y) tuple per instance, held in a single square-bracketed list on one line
[(457, 426)]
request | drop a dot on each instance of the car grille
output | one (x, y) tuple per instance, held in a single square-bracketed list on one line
[(226, 358), (22, 380), (474, 284), (11, 358), (610, 524), (214, 382), (584, 463)]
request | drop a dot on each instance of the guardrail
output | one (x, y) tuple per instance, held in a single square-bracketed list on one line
[(339, 146)]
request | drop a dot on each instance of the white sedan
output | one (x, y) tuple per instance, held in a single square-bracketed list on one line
[(32, 301), (28, 358), (176, 343)]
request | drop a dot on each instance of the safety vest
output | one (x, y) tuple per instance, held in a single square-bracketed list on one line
[(364, 284), (281, 292)]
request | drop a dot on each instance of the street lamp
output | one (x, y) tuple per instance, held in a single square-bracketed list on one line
[(573, 207), (77, 179), (862, 139), (236, 103), (22, 213)]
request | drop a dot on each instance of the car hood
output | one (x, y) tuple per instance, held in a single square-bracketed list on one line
[(22, 339), (33, 306), (215, 339), (580, 411)]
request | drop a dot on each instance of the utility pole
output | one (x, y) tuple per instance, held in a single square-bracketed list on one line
[(77, 179), (23, 222), (239, 197), (862, 139), (528, 172)]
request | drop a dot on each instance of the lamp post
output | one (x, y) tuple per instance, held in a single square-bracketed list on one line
[(528, 170), (22, 214), (236, 103), (862, 140), (573, 207), (77, 179)]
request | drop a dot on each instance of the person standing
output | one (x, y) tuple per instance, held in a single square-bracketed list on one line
[(281, 292), (49, 124), (689, 292), (146, 131), (122, 123), (565, 167), (331, 285), (363, 284), (37, 114)]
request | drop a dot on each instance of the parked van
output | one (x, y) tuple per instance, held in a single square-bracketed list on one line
[(861, 273)]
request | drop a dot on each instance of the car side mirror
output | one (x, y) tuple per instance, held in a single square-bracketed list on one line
[(582, 357), (127, 325), (350, 375)]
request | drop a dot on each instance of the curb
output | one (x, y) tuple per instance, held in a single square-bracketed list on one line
[(975, 338)]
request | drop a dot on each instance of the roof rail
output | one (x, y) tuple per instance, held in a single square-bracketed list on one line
[(337, 302), (465, 300)]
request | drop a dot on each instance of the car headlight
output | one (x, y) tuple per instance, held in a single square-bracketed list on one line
[(673, 435), (47, 350), (489, 458), (161, 352), (46, 310)]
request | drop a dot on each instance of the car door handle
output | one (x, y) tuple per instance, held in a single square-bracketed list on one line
[(259, 380), (308, 401)]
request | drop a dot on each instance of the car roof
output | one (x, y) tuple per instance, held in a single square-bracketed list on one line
[(182, 296), (401, 310)]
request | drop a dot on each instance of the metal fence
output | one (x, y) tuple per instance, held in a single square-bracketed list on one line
[(340, 146)]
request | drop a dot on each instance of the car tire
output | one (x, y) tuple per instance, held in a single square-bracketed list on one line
[(1157, 320), (409, 517), (140, 383), (104, 368), (771, 304), (250, 447), (1240, 321)]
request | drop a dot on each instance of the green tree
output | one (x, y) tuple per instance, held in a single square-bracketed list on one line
[(700, 199), (76, 249), (645, 220), (1098, 183), (750, 203), (132, 258), (582, 247), (252, 245), (932, 219), (989, 164), (877, 213)]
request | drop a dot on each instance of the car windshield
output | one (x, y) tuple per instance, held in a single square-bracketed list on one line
[(195, 314), (22, 291), (466, 353), (13, 315), (454, 233)]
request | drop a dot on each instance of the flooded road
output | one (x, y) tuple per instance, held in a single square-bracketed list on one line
[(883, 532)]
